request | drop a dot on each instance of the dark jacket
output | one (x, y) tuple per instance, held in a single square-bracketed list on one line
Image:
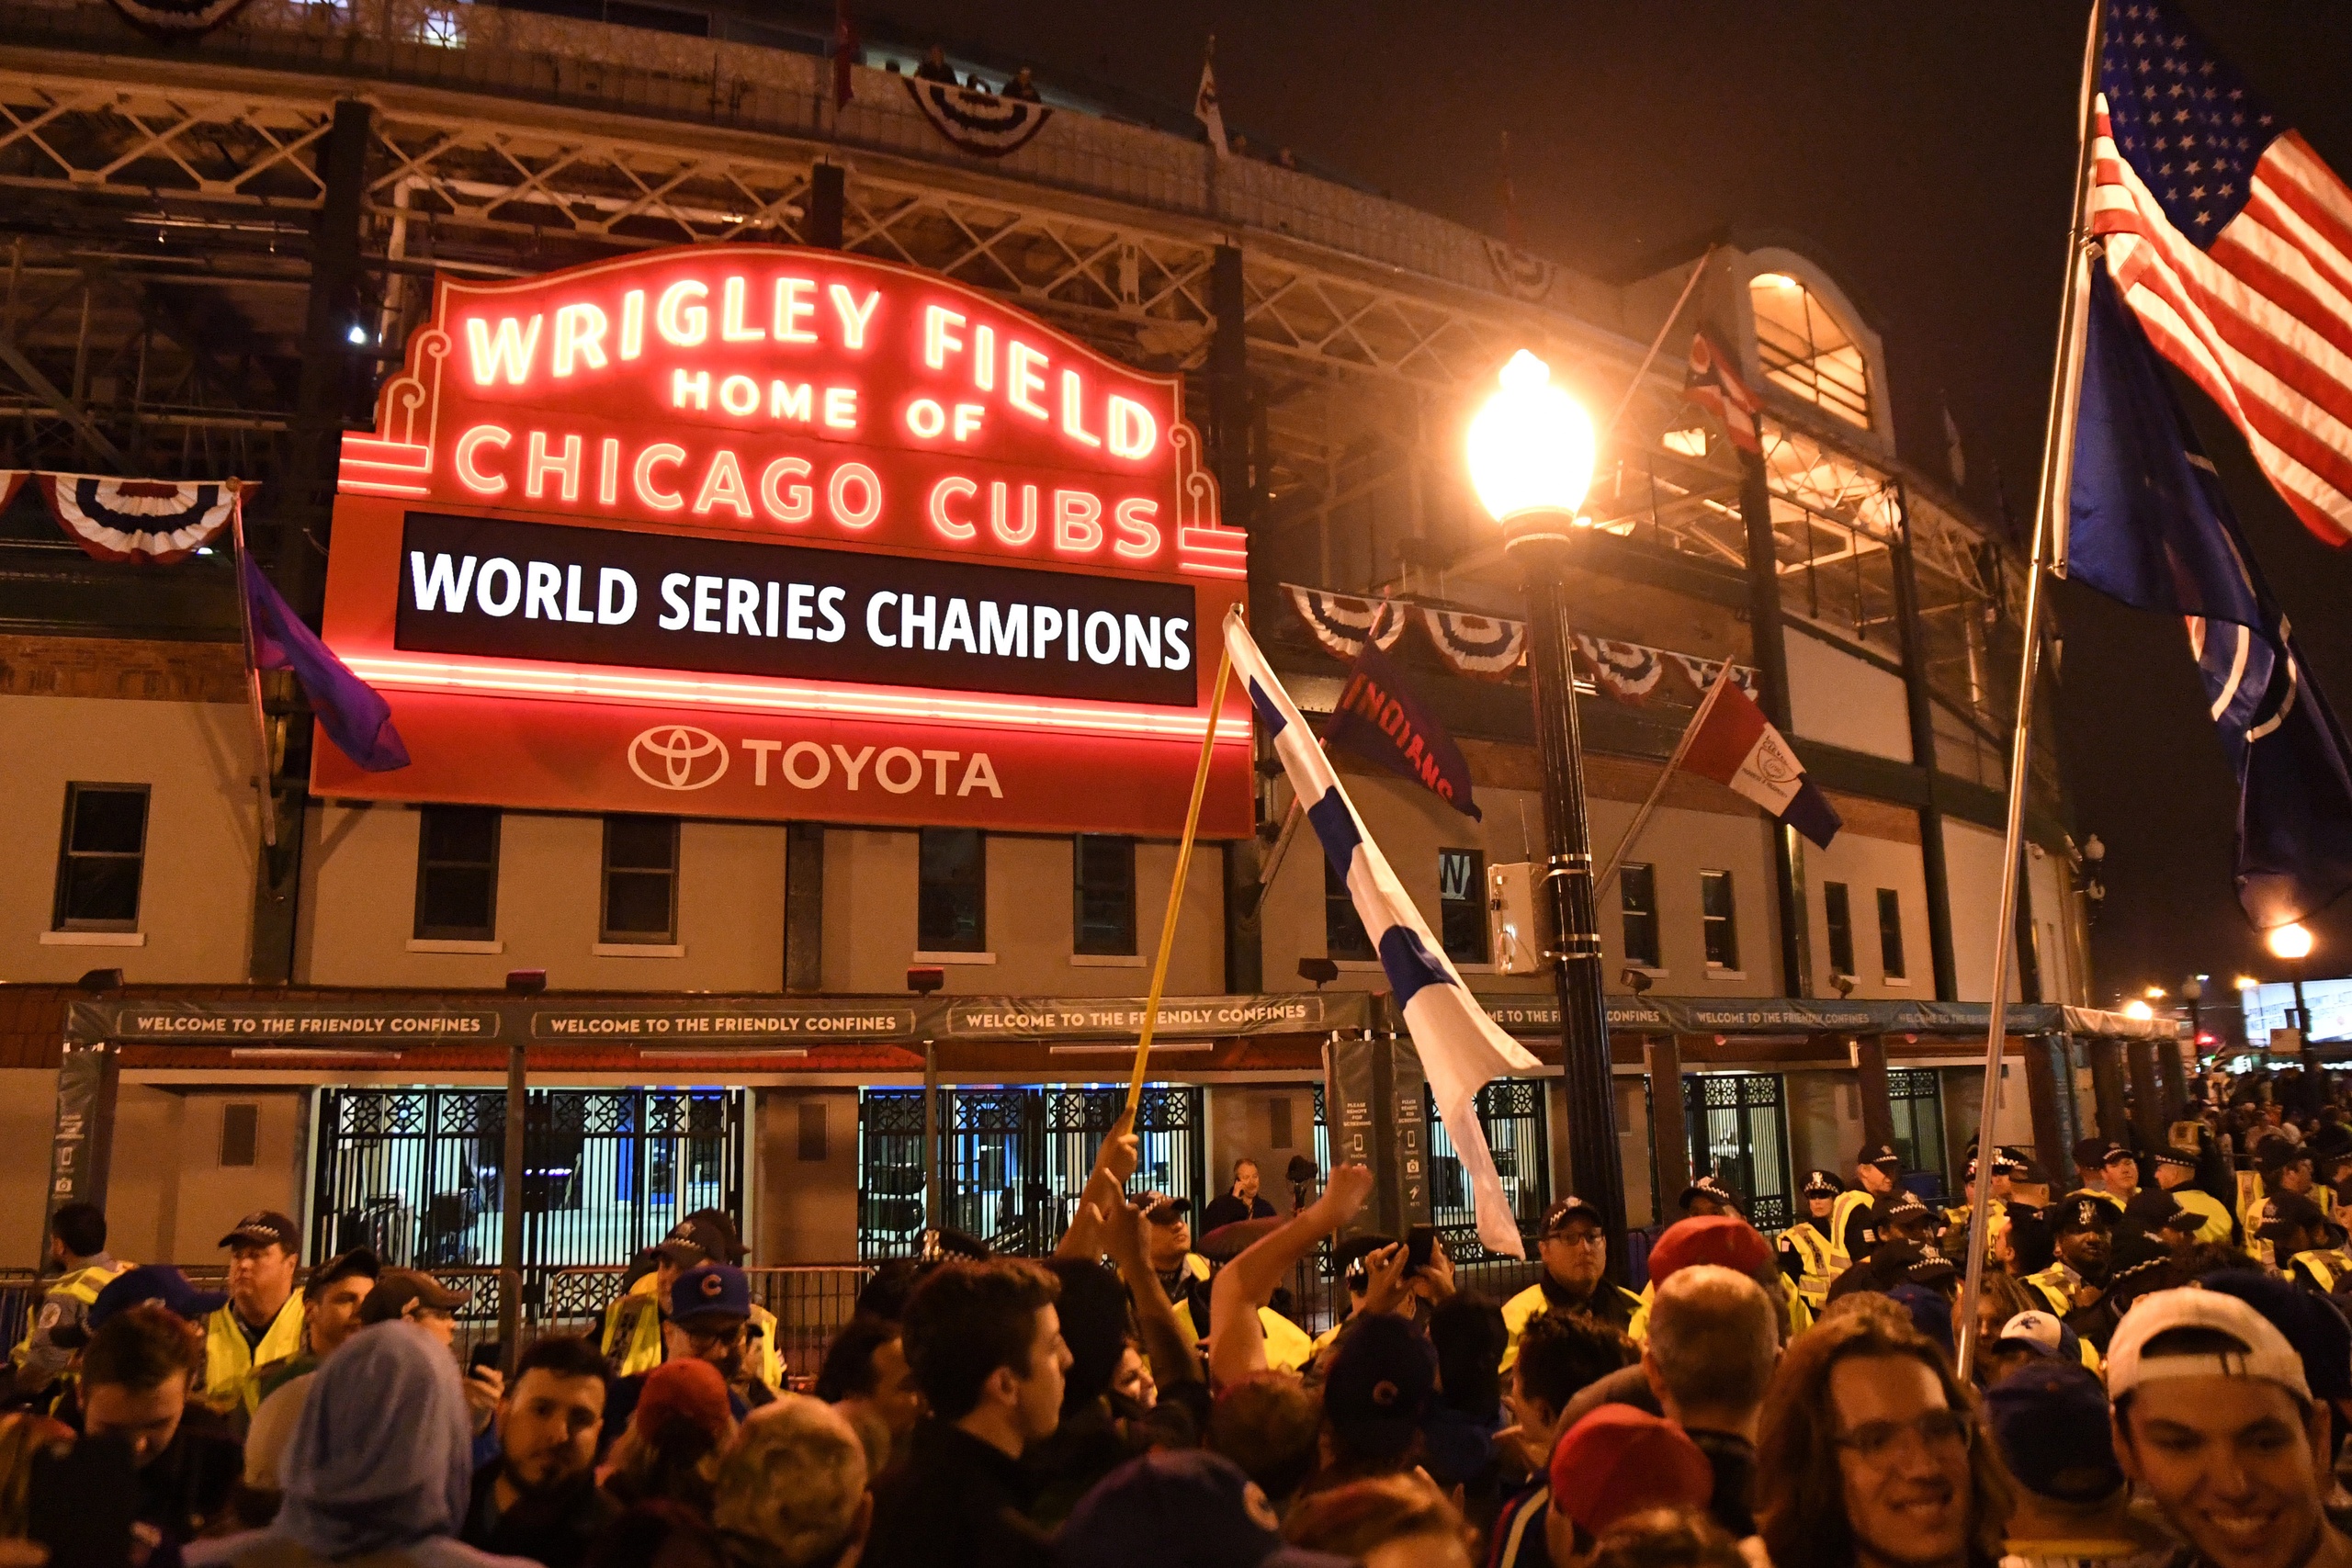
[(188, 1486), (957, 1500), (556, 1527), (1733, 1459), (1225, 1209)]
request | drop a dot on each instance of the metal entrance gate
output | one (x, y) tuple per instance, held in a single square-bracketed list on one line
[(1014, 1160), (414, 1172), (1739, 1135)]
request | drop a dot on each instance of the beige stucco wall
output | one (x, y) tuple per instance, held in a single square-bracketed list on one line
[(169, 1200), (195, 889), (359, 874), (805, 1210), (27, 1118), (1845, 701), (1866, 864)]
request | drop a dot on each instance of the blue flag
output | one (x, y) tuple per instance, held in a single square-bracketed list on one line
[(355, 716), (2147, 523), (1380, 720)]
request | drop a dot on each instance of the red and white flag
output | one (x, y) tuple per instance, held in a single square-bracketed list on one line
[(1205, 107), (2233, 244), (1733, 743), (1715, 386)]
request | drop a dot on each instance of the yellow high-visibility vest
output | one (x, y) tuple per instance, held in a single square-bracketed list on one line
[(1841, 1211), (1531, 1304), (1816, 1252), (634, 1323), (228, 1362), (82, 1285)]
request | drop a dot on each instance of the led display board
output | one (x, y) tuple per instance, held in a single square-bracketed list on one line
[(763, 532)]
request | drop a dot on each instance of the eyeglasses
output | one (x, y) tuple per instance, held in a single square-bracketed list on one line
[(1938, 1430), (732, 1334)]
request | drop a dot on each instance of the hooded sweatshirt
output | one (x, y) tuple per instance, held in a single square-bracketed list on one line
[(381, 1461)]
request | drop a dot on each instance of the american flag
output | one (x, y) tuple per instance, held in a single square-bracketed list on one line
[(2232, 242)]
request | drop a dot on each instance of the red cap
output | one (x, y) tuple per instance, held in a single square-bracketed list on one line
[(692, 1391), (1620, 1461), (1723, 1239)]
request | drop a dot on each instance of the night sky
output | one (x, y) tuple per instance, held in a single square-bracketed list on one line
[(1926, 162)]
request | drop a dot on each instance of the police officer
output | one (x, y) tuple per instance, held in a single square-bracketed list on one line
[(1854, 1218), (634, 1342), (2176, 1181), (2308, 1245), (262, 1321), (1708, 1196), (1573, 1243), (77, 1245), (2281, 1166), (2084, 1226), (1805, 1247), (709, 1319)]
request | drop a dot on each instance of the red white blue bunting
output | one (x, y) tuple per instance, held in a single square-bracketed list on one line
[(1338, 621), (178, 18), (1626, 670), (980, 123), (147, 521), (1479, 646)]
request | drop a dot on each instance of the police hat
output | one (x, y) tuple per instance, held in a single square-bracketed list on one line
[(2082, 1214), (1556, 1217), (1821, 1184)]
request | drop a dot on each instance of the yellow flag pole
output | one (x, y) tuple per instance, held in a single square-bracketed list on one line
[(1176, 888)]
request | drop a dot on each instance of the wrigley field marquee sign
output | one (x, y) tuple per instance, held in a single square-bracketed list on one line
[(763, 532)]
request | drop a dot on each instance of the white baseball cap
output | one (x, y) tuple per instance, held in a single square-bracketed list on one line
[(2040, 1329), (2267, 1355)]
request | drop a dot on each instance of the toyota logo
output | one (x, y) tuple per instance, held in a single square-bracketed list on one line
[(678, 756)]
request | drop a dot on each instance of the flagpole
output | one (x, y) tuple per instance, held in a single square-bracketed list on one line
[(253, 665), (1657, 790), (1176, 887), (1656, 344), (2056, 465)]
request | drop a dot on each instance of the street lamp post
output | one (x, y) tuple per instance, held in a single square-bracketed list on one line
[(1531, 461), (2293, 942)]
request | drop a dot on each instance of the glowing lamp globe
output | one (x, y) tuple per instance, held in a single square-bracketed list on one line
[(2136, 1007), (1530, 446), (2291, 941)]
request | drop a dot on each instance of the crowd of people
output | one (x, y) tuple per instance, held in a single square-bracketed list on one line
[(2158, 1370)]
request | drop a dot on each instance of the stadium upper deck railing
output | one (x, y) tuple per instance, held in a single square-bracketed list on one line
[(518, 54)]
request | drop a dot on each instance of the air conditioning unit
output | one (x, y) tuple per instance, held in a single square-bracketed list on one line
[(1518, 920)]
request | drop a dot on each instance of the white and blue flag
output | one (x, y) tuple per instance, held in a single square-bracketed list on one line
[(1461, 1048)]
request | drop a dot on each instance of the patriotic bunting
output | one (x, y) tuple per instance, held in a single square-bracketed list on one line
[(980, 123), (1339, 620), (1702, 674), (149, 521), (1626, 670), (11, 482), (178, 18), (1476, 644)]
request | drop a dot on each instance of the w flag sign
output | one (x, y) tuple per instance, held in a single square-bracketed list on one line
[(1731, 743), (1461, 1048)]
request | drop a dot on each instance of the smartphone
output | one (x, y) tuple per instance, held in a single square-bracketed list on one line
[(82, 1502), (490, 1353), (1418, 1244)]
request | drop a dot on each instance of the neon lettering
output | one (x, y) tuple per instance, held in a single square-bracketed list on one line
[(841, 408), (1078, 522), (508, 353), (1000, 526), (641, 476), (792, 307), (537, 466), (740, 395), (730, 315), (722, 485), (968, 421), (679, 318), (837, 492), (790, 505), (1139, 533), (462, 460), (1024, 378), (1073, 424), (1133, 431), (608, 472), (788, 402), (984, 358), (952, 487), (937, 340), (579, 334), (926, 418), (633, 324), (854, 317), (690, 386)]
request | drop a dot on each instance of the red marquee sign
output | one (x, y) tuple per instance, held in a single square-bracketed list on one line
[(763, 532)]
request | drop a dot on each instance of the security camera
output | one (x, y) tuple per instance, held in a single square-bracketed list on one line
[(922, 981), (1635, 980)]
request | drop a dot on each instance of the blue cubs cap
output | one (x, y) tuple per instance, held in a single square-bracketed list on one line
[(2051, 1420), (1180, 1509), (159, 1283), (711, 1290)]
